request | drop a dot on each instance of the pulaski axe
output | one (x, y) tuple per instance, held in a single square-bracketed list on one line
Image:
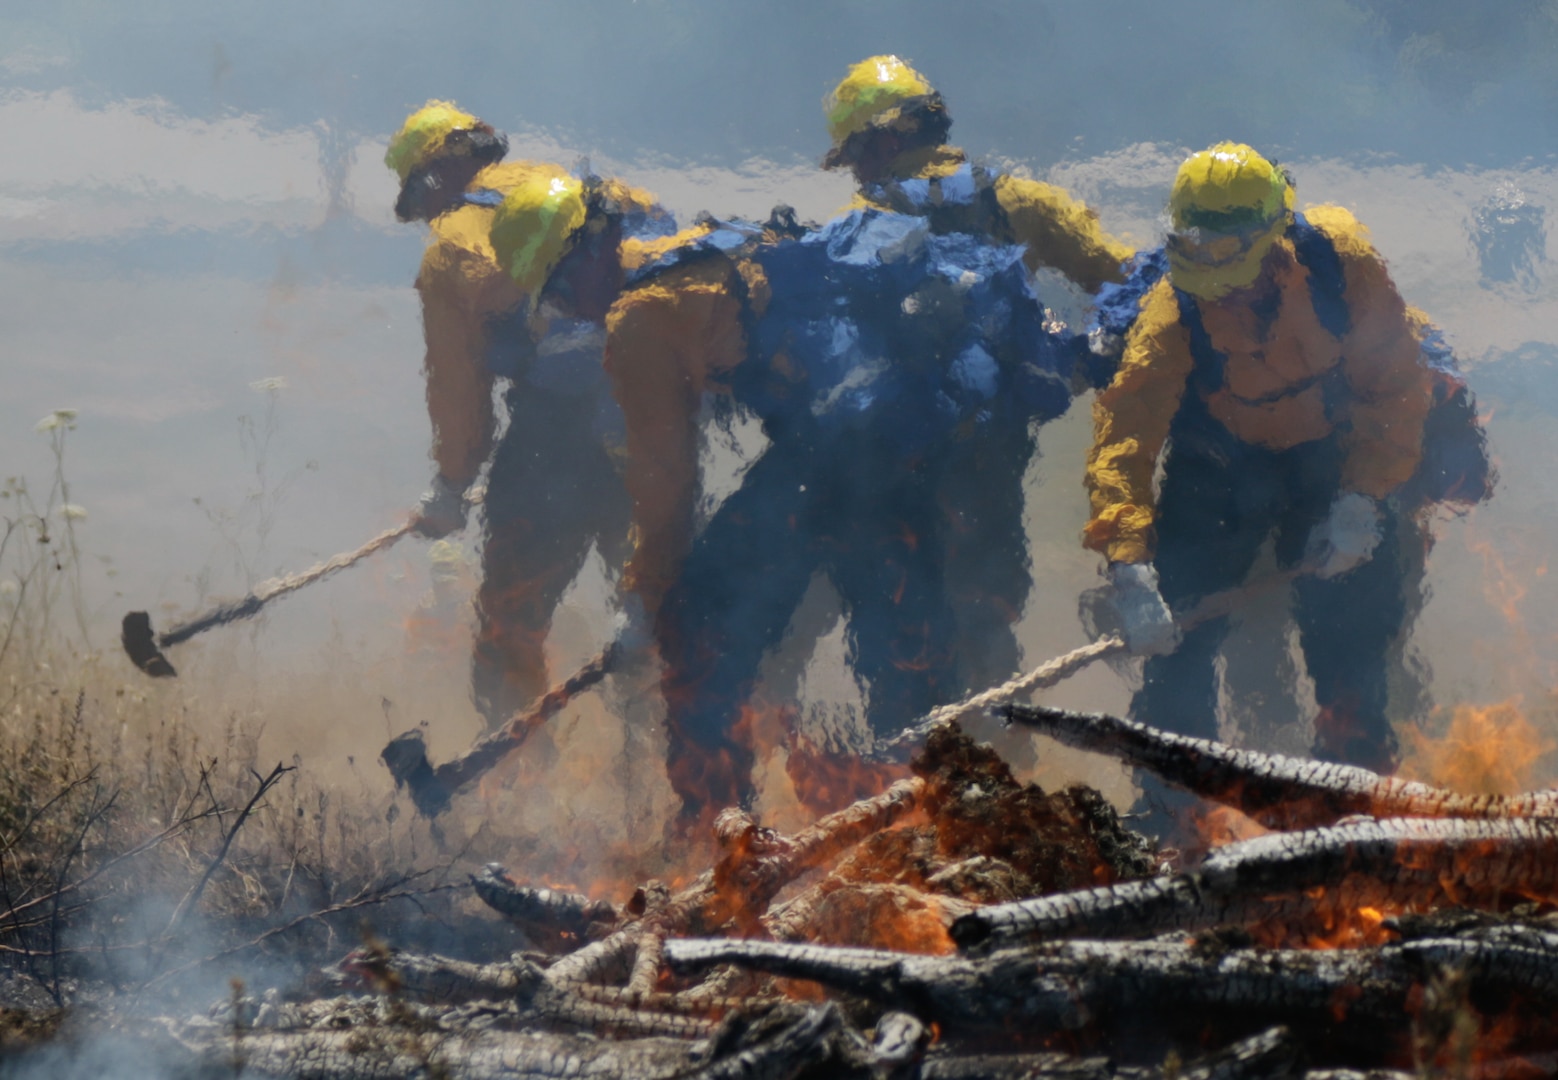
[(432, 787), (144, 646)]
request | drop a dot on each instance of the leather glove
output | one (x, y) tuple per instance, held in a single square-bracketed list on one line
[(1145, 620), (1346, 539), (442, 511)]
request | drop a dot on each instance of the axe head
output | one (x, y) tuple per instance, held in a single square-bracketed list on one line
[(406, 759), (140, 645)]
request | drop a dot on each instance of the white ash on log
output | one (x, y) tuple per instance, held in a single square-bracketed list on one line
[(554, 919), (518, 983), (384, 1038), (1291, 886), (1279, 792), (1359, 998)]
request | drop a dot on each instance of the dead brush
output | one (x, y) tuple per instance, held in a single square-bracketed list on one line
[(133, 846)]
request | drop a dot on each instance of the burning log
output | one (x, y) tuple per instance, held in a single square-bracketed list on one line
[(757, 866), (1279, 792), (1294, 885), (735, 893)]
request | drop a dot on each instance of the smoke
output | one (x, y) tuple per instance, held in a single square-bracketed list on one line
[(192, 205)]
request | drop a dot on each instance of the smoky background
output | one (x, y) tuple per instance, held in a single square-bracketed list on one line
[(198, 254)]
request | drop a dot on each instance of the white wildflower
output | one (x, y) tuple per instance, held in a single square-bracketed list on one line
[(269, 385), (57, 418), (73, 512)]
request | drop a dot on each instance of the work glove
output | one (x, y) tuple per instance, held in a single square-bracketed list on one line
[(442, 511), (634, 670), (1144, 619), (633, 626), (1347, 537)]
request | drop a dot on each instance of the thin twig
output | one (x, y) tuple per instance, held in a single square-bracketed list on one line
[(96, 812), (363, 899), (192, 897)]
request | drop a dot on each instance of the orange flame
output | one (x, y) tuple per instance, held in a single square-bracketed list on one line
[(825, 782), (1504, 585), (884, 916), (1220, 825), (1487, 750)]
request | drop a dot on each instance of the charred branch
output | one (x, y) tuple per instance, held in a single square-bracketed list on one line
[(1354, 995), (740, 888), (519, 983), (1293, 886), (551, 917), (1277, 791)]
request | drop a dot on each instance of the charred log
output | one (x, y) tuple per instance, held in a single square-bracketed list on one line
[(386, 1040), (1355, 996), (537, 1003), (1294, 886), (1277, 791), (379, 1039), (1269, 1054), (551, 917)]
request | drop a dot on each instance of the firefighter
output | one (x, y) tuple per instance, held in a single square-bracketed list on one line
[(554, 487), (1294, 398), (871, 349), (939, 531), (889, 127)]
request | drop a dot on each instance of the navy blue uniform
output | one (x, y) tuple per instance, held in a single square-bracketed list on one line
[(887, 356)]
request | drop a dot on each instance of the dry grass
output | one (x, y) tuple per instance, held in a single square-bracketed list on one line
[(134, 847), (144, 847)]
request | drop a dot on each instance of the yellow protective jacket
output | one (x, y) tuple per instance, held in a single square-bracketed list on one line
[(462, 289), (669, 338), (1058, 231), (1273, 392)]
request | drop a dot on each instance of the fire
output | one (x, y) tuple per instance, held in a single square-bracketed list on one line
[(1505, 586), (1343, 923), (1507, 581), (884, 916), (1219, 825), (1487, 750), (825, 782)]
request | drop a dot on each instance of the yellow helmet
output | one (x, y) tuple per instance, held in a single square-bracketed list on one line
[(1229, 205), (873, 88), (534, 227), (422, 136)]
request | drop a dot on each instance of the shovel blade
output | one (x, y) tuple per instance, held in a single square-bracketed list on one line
[(140, 645)]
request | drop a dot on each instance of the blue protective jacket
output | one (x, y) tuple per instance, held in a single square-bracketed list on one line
[(880, 326)]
